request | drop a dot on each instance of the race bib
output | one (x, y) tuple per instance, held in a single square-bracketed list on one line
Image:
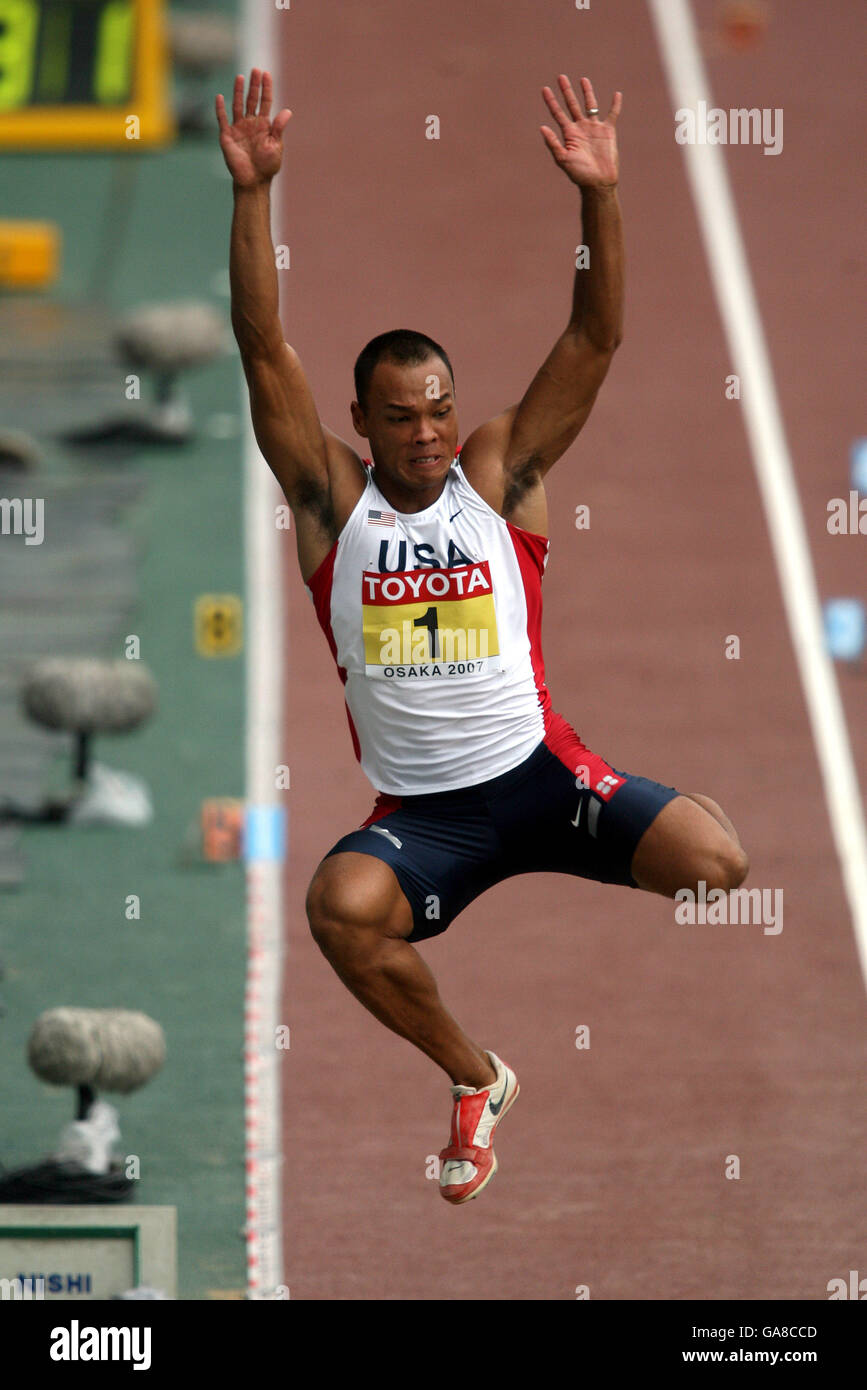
[(430, 624)]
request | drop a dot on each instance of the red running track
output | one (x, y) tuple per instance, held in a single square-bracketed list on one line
[(705, 1041)]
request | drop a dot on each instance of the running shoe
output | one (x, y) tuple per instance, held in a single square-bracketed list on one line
[(469, 1161)]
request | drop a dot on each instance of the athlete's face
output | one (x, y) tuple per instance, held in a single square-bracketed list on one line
[(412, 428)]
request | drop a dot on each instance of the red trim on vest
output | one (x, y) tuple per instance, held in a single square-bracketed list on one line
[(560, 738), (320, 584), (531, 552), (383, 806)]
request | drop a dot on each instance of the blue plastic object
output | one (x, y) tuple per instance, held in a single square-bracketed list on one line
[(858, 469), (845, 628)]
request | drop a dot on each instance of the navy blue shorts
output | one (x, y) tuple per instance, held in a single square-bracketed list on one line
[(448, 847)]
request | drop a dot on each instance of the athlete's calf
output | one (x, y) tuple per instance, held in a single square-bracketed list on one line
[(360, 919)]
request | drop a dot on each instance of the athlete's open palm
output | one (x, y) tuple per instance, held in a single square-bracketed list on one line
[(587, 147), (253, 144)]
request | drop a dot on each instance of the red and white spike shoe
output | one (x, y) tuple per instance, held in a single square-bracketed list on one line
[(469, 1161)]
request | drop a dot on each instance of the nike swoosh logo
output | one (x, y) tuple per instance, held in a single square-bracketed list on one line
[(495, 1109), (457, 513)]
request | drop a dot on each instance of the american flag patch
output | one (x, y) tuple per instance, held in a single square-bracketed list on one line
[(377, 518)]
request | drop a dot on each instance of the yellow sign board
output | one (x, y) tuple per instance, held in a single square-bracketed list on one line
[(219, 624), (29, 254)]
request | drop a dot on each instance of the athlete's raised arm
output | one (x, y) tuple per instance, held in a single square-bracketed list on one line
[(285, 418), (507, 457)]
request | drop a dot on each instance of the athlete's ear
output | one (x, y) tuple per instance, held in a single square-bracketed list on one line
[(358, 419)]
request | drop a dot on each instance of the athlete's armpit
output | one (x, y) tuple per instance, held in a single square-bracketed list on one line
[(313, 498), (347, 476), (515, 491), (483, 458), (510, 454), (525, 503)]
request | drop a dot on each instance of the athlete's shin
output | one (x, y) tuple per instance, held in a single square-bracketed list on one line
[(389, 977)]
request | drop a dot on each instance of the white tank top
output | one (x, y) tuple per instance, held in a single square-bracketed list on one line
[(434, 620)]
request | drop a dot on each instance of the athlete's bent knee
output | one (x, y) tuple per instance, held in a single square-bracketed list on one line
[(331, 912), (319, 912), (345, 908), (728, 868)]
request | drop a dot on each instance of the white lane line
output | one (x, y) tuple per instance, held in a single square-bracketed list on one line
[(264, 818), (705, 166)]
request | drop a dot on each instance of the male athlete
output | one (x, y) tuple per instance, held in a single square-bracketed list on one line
[(425, 568)]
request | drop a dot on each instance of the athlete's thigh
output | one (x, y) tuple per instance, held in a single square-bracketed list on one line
[(358, 890), (439, 849), (683, 844), (587, 825)]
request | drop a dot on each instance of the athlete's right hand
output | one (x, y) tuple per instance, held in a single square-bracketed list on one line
[(252, 145)]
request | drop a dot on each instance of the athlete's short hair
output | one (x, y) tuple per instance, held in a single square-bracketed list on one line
[(401, 345)]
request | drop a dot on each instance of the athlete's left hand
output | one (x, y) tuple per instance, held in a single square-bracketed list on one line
[(587, 148)]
